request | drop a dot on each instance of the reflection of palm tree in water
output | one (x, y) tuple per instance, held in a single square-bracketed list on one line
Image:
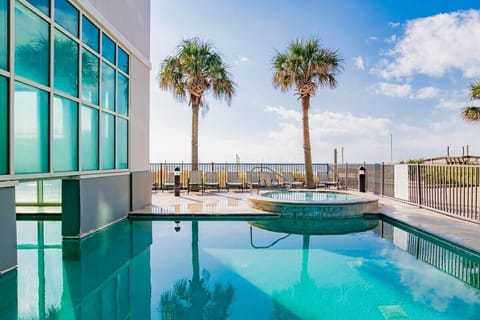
[(294, 301), (196, 298)]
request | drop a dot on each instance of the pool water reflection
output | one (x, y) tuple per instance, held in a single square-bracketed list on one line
[(233, 270)]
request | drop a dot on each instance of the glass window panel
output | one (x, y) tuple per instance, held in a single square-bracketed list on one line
[(122, 143), (65, 64), (122, 60), (67, 16), (32, 44), (122, 95), (42, 5), (31, 129), (3, 126), (89, 77), (89, 138), (108, 87), (52, 191), (108, 48), (90, 34), (108, 141), (64, 134), (4, 34)]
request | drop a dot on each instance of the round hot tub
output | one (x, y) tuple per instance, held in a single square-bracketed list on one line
[(314, 204)]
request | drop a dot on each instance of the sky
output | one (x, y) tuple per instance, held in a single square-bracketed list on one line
[(407, 67)]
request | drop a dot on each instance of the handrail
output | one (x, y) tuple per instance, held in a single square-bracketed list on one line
[(268, 246), (266, 169)]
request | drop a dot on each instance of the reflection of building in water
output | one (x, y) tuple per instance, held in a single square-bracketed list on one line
[(105, 275), (455, 261)]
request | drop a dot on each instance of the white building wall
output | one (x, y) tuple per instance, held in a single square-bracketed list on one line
[(401, 181)]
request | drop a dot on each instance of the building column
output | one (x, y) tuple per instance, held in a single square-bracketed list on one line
[(8, 228), (90, 203)]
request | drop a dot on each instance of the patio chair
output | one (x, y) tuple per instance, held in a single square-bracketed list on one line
[(233, 180), (195, 180), (323, 180), (211, 181), (170, 182), (290, 180), (253, 180)]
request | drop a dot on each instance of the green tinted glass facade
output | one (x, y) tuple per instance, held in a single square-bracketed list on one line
[(42, 5), (108, 48), (3, 126), (69, 106), (123, 62), (89, 77), (122, 143), (108, 141), (122, 95), (65, 142), (90, 34), (3, 34), (67, 16), (89, 138), (108, 87), (65, 64), (30, 130), (32, 45)]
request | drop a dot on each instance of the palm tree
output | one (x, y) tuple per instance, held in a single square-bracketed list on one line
[(196, 298), (194, 70), (472, 113), (306, 66)]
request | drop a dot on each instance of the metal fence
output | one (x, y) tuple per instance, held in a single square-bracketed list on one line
[(160, 171), (452, 189)]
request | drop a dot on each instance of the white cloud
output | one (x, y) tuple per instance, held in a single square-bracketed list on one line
[(404, 91), (371, 39), (241, 60), (435, 45), (426, 93), (285, 113), (392, 39), (392, 90), (358, 62), (451, 104), (394, 24)]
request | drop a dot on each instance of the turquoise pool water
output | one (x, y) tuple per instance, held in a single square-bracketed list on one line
[(310, 195), (232, 270)]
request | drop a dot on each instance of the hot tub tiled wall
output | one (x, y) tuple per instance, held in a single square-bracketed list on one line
[(315, 210)]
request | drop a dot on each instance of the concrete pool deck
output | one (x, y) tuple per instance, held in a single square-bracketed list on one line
[(234, 205)]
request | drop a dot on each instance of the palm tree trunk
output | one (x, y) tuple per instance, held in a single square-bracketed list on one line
[(307, 150), (195, 109), (305, 253)]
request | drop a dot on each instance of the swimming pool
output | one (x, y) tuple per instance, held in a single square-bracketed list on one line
[(233, 270)]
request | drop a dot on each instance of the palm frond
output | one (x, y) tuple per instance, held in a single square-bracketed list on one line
[(195, 69), (307, 65), (475, 90), (471, 113)]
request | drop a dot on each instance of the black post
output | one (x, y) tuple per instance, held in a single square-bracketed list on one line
[(361, 179), (177, 181)]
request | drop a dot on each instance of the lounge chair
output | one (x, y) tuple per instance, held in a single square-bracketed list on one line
[(195, 180), (233, 180), (290, 180), (253, 180), (323, 180), (211, 181), (170, 182)]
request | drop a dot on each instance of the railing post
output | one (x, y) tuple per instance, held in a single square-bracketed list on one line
[(382, 179), (161, 176), (346, 176), (419, 192)]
